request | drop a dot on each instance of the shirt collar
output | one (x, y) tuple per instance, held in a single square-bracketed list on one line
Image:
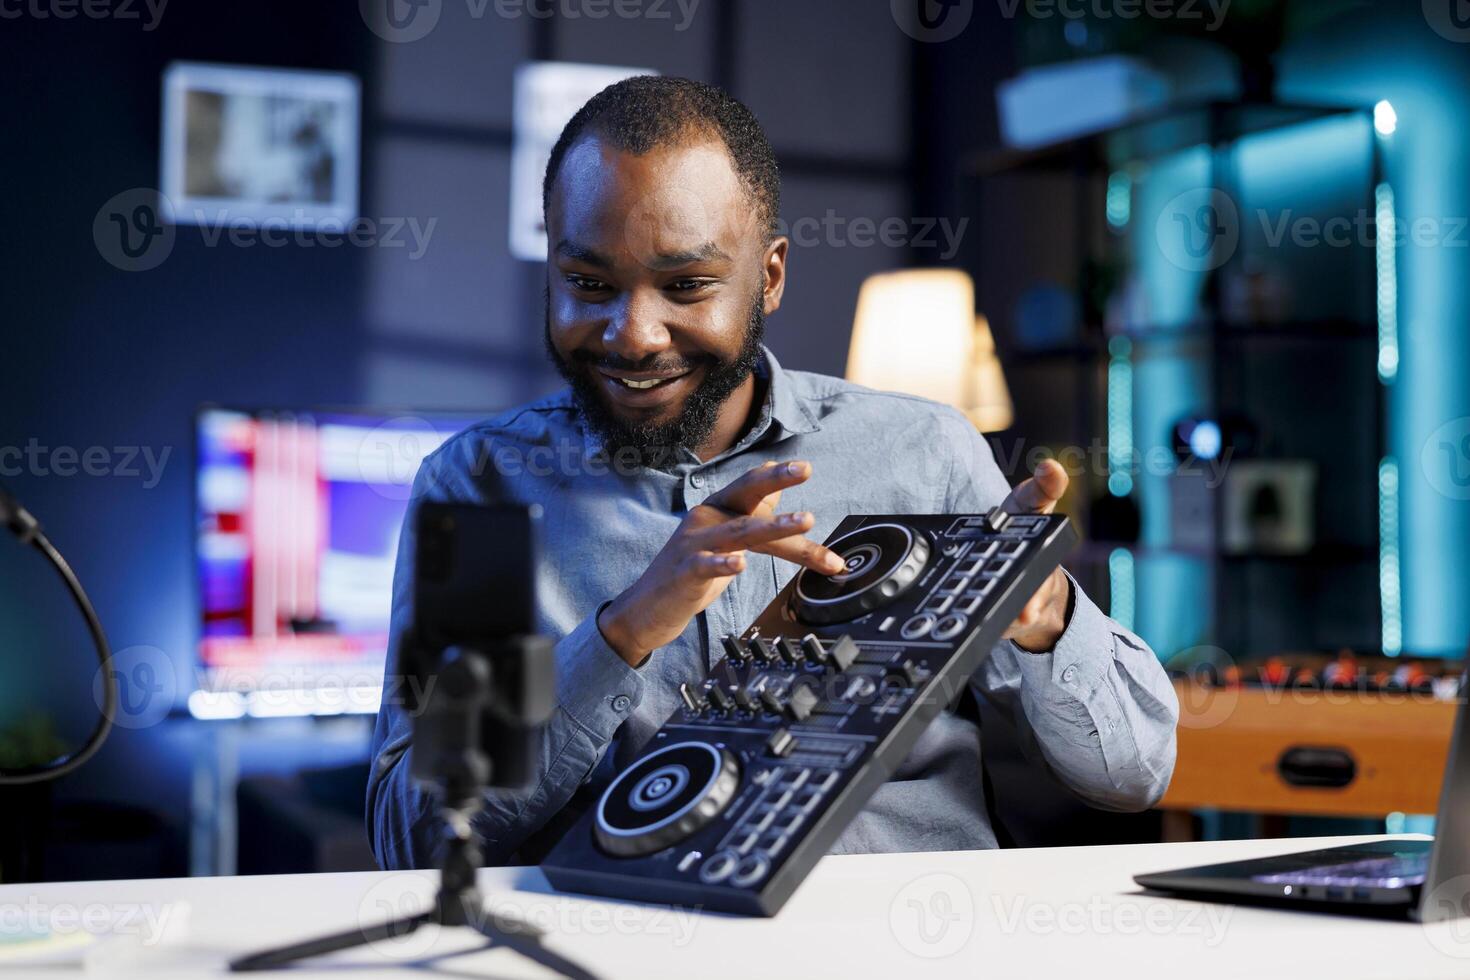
[(782, 404), (781, 408)]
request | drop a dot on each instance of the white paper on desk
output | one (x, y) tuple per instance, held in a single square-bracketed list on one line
[(95, 952), (28, 947)]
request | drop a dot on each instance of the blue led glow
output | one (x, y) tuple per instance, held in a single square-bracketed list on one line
[(1120, 417), (1385, 250), (1385, 120), (1119, 198), (1205, 441), (1389, 584), (1122, 587)]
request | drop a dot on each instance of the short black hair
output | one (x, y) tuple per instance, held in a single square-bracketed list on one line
[(641, 113)]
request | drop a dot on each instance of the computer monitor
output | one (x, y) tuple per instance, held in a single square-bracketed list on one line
[(298, 519)]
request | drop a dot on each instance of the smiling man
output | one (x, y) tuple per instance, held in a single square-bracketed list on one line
[(693, 476)]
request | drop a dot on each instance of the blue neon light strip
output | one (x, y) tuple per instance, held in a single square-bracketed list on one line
[(1389, 576)]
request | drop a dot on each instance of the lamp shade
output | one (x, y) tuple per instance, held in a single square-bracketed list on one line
[(916, 332), (988, 399)]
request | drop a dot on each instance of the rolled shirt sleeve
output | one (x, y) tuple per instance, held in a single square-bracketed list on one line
[(1098, 709)]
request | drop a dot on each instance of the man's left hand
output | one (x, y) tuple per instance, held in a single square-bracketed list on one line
[(1044, 617)]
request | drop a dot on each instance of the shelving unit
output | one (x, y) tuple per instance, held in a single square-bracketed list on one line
[(1242, 361)]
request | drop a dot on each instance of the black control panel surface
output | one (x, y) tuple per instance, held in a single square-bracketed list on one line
[(813, 707)]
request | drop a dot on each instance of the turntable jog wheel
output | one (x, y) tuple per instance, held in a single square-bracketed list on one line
[(664, 797), (882, 562)]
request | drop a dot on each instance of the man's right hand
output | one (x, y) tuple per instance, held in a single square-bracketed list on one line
[(706, 553)]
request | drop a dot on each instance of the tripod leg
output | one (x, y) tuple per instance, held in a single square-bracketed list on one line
[(271, 959), (530, 948)]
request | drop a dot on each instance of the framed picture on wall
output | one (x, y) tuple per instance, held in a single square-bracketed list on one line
[(260, 146)]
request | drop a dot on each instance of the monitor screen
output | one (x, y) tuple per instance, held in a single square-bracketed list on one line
[(299, 515)]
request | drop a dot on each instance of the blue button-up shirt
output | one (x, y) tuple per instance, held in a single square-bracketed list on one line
[(1097, 710)]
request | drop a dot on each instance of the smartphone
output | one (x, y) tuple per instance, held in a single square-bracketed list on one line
[(475, 572), (474, 595)]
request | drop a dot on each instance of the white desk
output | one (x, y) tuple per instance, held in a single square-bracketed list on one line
[(1037, 914)]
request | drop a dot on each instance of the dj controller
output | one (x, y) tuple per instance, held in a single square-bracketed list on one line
[(812, 708)]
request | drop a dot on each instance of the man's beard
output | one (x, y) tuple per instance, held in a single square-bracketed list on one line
[(653, 444)]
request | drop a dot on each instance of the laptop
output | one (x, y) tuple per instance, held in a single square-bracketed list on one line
[(1418, 879)]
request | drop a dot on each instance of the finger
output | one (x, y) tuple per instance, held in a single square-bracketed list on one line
[(748, 532), (1035, 609), (805, 552), (1031, 613), (1039, 494), (710, 564), (744, 495)]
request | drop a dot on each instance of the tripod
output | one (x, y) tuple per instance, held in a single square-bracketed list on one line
[(451, 723)]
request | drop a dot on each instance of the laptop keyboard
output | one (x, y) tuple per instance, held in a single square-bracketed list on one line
[(1393, 871)]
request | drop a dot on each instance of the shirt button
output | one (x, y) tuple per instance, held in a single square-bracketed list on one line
[(1069, 675), (695, 480), (621, 703)]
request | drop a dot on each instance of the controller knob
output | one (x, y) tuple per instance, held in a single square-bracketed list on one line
[(734, 652), (718, 699), (664, 798), (882, 562)]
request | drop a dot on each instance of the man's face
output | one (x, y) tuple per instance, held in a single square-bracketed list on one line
[(659, 278)]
